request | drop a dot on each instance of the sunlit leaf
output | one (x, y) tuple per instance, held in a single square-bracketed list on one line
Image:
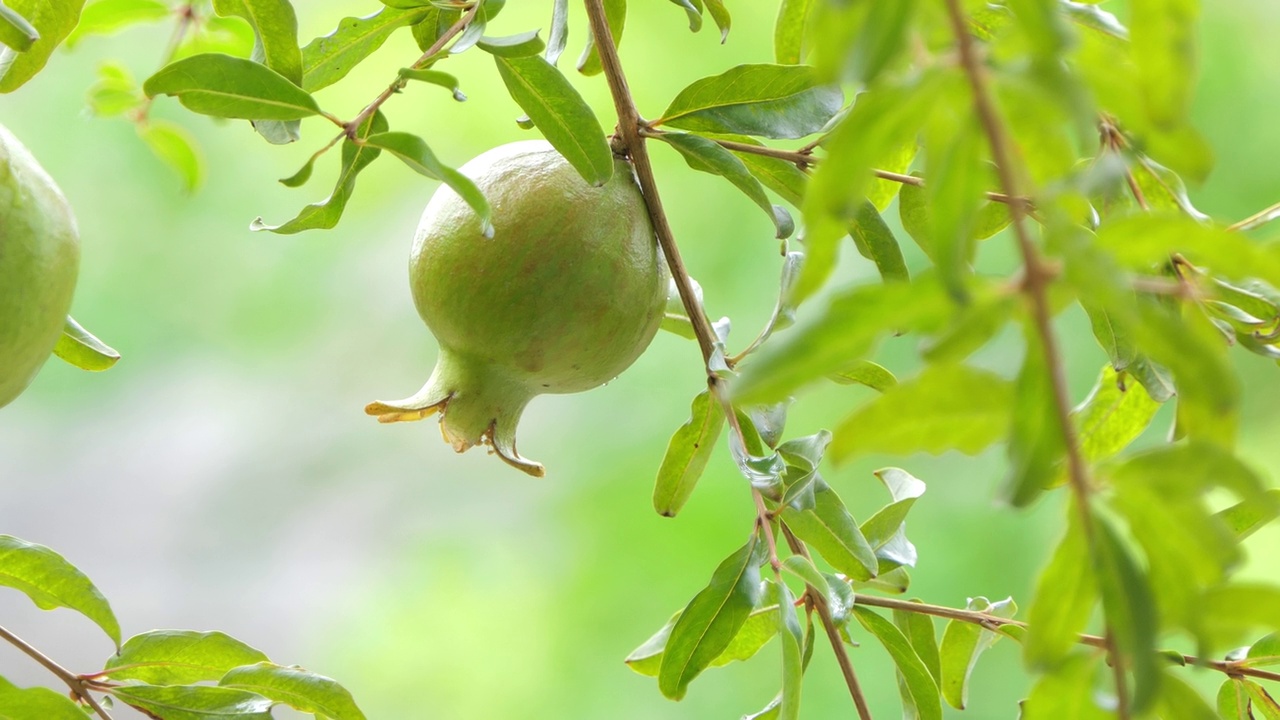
[(299, 689), (414, 152), (52, 21), (16, 31), (328, 58), (179, 657), (80, 348), (36, 703), (687, 455), (1065, 595), (790, 32), (773, 101), (52, 582), (1067, 692), (865, 372), (1163, 36), (177, 148), (194, 702), (108, 16), (224, 86), (1248, 516)]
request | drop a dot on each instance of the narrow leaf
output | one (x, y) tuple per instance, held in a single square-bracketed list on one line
[(1065, 595), (833, 533), (52, 582), (920, 683), (615, 12), (328, 58), (176, 147), (15, 31), (687, 455), (80, 348), (414, 152), (962, 644), (224, 86), (707, 156)]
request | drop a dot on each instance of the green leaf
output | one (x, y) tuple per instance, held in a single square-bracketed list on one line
[(80, 348), (1188, 470), (711, 620), (275, 44), (1233, 700), (845, 331), (920, 683), (558, 35), (919, 630), (1163, 36), (833, 533), (414, 152), (945, 407), (865, 372), (36, 703), (615, 13), (1247, 517), (52, 21), (792, 641), (52, 582), (694, 13), (560, 113), (1261, 701), (803, 568), (1229, 612), (963, 643), (1067, 692), (15, 31), (299, 689), (881, 38), (791, 31), (875, 242), (179, 657), (756, 632), (176, 147), (521, 45), (435, 77), (1130, 610), (328, 58), (887, 523), (773, 101), (707, 156), (1145, 241), (433, 26), (326, 213), (1116, 412), (1037, 442), (1180, 701), (1065, 595), (957, 179), (1264, 652), (194, 702), (108, 16), (687, 455), (224, 86), (115, 92), (980, 321)]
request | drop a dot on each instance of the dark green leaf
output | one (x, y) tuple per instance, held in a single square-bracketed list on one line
[(946, 407), (780, 176), (107, 16), (521, 45), (1064, 598), (80, 348), (709, 157), (865, 372), (875, 242), (224, 86), (328, 58), (560, 113), (179, 657), (920, 683), (1130, 610), (833, 533), (615, 12), (962, 644), (36, 703), (711, 620), (325, 214), (1067, 692), (176, 147), (687, 455), (792, 640), (195, 702), (791, 31), (414, 152), (15, 31), (299, 689), (52, 582), (919, 630), (53, 22), (773, 101), (1037, 443)]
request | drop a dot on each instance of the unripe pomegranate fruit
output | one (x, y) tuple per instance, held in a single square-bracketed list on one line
[(562, 298), (39, 262)]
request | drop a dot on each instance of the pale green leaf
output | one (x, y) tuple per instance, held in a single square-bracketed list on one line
[(328, 58), (53, 22), (177, 148), (299, 689), (195, 702), (179, 657), (687, 455), (80, 348), (52, 582)]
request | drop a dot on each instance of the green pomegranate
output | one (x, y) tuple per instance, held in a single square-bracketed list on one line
[(39, 261), (562, 298)]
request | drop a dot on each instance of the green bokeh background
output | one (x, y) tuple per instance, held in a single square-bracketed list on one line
[(223, 476)]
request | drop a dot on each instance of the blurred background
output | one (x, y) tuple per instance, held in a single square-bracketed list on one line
[(223, 475)]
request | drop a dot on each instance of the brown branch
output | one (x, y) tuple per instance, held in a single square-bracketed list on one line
[(1037, 278), (78, 689), (1257, 219), (352, 128)]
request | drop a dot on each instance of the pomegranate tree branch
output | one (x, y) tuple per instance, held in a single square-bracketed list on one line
[(78, 689), (1037, 277), (352, 129)]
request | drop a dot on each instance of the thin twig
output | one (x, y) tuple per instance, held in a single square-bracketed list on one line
[(819, 601), (186, 20), (77, 685), (352, 128), (1257, 219), (1036, 288)]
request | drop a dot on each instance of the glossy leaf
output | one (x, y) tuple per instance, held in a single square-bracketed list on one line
[(435, 77), (52, 582), (1037, 442), (945, 407), (224, 86), (107, 16), (80, 348), (1064, 598), (176, 147), (707, 156), (36, 703), (326, 213), (615, 13), (687, 455), (433, 26), (179, 657), (53, 22), (865, 372), (962, 644), (693, 12), (299, 689), (194, 702), (756, 632), (414, 152), (711, 620), (773, 101), (16, 31), (830, 530), (916, 676), (560, 113), (328, 58)]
